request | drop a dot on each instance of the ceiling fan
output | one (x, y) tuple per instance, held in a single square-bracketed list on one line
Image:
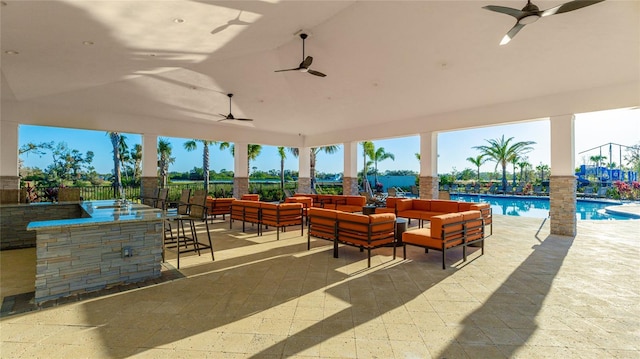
[(306, 62), (530, 13), (230, 115)]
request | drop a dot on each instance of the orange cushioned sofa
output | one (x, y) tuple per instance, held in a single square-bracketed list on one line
[(424, 209), (219, 206), (250, 197), (279, 215), (448, 231), (307, 202), (344, 203), (358, 230)]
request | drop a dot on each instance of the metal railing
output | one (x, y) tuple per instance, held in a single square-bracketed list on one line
[(267, 191)]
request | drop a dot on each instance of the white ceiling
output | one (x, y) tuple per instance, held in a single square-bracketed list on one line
[(395, 68)]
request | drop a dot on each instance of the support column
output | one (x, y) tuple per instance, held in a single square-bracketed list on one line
[(9, 177), (240, 169), (429, 165), (304, 170), (149, 177), (562, 182), (350, 173)]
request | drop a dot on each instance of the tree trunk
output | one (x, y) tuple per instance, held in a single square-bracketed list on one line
[(117, 176), (364, 174), (282, 174), (312, 170), (504, 177), (205, 166)]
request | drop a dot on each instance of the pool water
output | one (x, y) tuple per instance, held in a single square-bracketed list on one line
[(537, 207)]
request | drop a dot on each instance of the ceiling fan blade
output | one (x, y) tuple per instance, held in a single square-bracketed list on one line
[(244, 119), (221, 115), (317, 73), (514, 30), (506, 10), (296, 69), (306, 63), (570, 6)]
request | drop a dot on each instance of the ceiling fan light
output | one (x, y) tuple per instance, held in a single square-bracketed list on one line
[(529, 19), (304, 69)]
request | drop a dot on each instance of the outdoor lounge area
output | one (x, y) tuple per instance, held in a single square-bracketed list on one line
[(224, 72), (530, 295)]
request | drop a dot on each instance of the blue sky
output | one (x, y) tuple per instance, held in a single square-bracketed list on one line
[(594, 129)]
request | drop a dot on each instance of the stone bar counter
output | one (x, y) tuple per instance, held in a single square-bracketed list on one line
[(86, 246)]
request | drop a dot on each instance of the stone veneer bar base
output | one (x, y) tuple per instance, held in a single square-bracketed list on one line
[(304, 185), (428, 187), (75, 260), (349, 186), (562, 205), (240, 186)]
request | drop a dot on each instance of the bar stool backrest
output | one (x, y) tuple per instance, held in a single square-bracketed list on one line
[(199, 192), (183, 205), (149, 196), (198, 206), (161, 200)]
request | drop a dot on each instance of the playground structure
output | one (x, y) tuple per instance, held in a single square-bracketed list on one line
[(605, 174)]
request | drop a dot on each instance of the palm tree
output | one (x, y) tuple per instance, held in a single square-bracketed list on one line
[(514, 159), (136, 159), (542, 168), (192, 145), (523, 167), (367, 151), (477, 161), (312, 160), (253, 151), (164, 153), (380, 155), (502, 151), (117, 175), (417, 156), (123, 148), (283, 156)]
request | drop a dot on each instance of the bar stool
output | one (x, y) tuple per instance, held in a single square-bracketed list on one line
[(187, 238), (181, 208)]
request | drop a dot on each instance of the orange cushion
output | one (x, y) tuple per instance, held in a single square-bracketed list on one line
[(422, 237), (443, 206), (421, 204), (464, 206), (385, 210), (358, 201), (391, 201), (306, 201), (474, 224), (224, 200), (438, 221), (403, 205), (354, 222)]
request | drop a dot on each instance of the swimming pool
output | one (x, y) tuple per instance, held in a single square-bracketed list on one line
[(538, 207)]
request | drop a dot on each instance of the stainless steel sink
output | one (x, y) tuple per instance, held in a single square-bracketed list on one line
[(110, 207)]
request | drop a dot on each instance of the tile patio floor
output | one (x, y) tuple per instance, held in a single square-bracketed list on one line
[(531, 295)]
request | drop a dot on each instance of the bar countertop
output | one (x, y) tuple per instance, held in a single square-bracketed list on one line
[(101, 212)]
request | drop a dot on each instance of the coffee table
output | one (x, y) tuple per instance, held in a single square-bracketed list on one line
[(401, 227), (368, 210)]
